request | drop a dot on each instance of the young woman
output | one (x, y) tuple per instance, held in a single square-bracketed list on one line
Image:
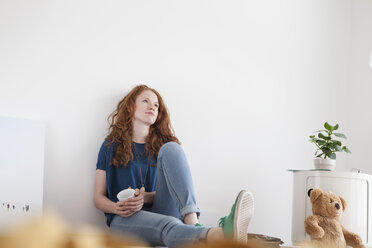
[(142, 152)]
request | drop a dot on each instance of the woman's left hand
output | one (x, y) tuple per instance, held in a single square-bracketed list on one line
[(135, 203)]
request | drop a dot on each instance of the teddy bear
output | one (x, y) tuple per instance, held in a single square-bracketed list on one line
[(324, 225)]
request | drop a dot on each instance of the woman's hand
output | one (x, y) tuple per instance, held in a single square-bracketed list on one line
[(130, 206)]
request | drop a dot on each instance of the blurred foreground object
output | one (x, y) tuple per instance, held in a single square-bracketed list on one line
[(228, 243), (51, 232), (265, 240)]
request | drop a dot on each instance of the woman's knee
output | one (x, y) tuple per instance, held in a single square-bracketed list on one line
[(170, 147)]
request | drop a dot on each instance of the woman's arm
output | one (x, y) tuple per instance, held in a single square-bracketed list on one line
[(148, 197), (100, 199)]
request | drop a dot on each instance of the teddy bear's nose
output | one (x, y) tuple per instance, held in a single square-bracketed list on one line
[(337, 206)]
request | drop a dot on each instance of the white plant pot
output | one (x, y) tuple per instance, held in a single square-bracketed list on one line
[(325, 164)]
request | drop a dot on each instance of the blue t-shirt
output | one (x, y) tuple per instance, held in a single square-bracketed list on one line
[(119, 178)]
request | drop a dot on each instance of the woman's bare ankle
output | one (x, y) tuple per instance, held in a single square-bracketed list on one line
[(190, 219)]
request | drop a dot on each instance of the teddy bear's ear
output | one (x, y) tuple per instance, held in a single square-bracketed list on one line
[(314, 194), (343, 203)]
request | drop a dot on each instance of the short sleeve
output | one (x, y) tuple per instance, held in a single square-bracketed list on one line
[(102, 157)]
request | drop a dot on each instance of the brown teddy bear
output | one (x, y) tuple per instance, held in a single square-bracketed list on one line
[(324, 226)]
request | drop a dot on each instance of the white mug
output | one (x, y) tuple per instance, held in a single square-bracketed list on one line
[(125, 194)]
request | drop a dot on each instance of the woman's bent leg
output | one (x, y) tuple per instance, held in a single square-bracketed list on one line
[(174, 188), (157, 229)]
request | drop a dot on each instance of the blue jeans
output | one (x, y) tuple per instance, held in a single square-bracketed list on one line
[(174, 199)]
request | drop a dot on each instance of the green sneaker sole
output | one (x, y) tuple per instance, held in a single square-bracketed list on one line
[(244, 210)]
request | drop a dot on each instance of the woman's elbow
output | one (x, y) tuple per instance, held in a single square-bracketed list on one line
[(96, 200)]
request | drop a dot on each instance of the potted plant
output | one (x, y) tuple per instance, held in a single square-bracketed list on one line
[(327, 145)]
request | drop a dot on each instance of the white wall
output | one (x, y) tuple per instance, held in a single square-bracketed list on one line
[(359, 100), (246, 82)]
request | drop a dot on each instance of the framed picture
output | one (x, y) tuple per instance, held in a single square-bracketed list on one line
[(21, 169)]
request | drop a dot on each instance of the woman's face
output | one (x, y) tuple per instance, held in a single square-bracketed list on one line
[(146, 108)]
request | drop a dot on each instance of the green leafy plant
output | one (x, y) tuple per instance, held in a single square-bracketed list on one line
[(326, 143)]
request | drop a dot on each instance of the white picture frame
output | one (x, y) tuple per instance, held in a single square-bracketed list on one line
[(21, 169)]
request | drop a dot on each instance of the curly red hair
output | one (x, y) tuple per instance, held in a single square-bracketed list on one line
[(121, 128)]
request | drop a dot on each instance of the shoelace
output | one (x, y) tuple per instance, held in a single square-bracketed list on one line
[(222, 221)]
